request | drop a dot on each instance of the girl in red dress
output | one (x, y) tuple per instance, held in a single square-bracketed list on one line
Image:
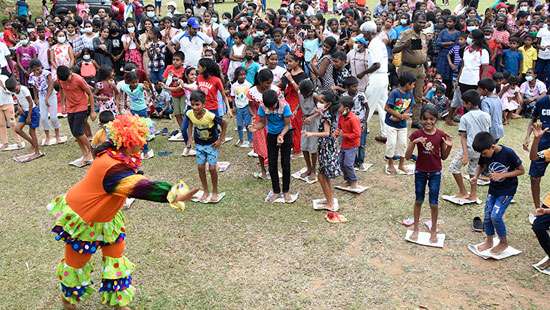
[(290, 83)]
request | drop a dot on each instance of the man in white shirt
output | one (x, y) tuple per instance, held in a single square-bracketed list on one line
[(543, 62), (377, 86), (4, 56), (192, 42)]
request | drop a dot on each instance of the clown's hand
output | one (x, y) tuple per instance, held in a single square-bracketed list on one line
[(180, 193)]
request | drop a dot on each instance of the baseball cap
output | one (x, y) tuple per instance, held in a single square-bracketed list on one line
[(192, 23), (362, 41)]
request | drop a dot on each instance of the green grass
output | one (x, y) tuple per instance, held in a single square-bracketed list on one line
[(244, 253)]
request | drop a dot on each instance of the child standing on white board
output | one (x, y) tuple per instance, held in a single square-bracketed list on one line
[(433, 146)]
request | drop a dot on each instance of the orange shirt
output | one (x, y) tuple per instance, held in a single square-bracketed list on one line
[(75, 93)]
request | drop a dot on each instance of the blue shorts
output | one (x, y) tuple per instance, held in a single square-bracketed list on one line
[(244, 118), (35, 117), (433, 179), (538, 167), (206, 153)]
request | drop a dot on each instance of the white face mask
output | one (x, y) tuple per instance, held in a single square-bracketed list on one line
[(61, 39), (24, 42), (86, 57), (471, 28), (260, 33), (29, 30), (469, 41), (488, 37), (225, 22), (150, 14), (528, 78), (131, 29), (71, 31), (214, 19), (88, 29), (524, 9), (404, 21)]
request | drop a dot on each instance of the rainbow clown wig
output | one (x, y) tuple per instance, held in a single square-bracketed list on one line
[(129, 131)]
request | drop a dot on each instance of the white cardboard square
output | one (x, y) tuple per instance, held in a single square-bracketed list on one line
[(480, 182), (293, 198), (252, 154), (410, 169), (424, 239), (321, 204), (227, 139), (25, 158), (367, 167), (14, 147), (199, 194), (510, 251), (352, 190), (191, 153), (129, 201), (298, 175), (176, 138), (459, 201), (542, 261), (53, 141)]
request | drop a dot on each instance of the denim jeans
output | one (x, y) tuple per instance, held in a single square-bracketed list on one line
[(346, 159), (494, 212), (142, 113), (433, 179), (542, 68), (360, 158)]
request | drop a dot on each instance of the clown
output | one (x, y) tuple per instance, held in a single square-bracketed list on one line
[(89, 216)]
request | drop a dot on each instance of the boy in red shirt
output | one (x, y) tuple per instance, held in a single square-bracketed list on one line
[(173, 78), (349, 127)]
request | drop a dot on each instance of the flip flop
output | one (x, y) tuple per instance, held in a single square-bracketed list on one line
[(477, 224)]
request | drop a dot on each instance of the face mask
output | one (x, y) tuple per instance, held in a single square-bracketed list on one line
[(71, 31), (469, 41), (533, 33), (214, 19), (131, 29), (225, 22), (24, 42), (260, 33), (356, 46), (524, 9), (29, 30), (150, 14), (61, 39), (404, 21), (248, 57), (487, 37), (471, 28), (528, 78), (88, 29), (86, 57)]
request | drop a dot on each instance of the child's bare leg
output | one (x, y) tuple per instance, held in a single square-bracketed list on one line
[(391, 167), (47, 134), (214, 176), (263, 172), (416, 214), (327, 190), (402, 164), (204, 182), (487, 244), (179, 119), (434, 210), (57, 135), (87, 129), (501, 246), (313, 164), (34, 140), (85, 147), (19, 131), (461, 188), (473, 190), (67, 305), (535, 191), (307, 159)]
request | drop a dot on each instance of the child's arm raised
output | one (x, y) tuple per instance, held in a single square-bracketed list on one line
[(447, 145), (538, 133), (410, 148)]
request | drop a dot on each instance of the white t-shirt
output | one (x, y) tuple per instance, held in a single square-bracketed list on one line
[(5, 96), (544, 35), (21, 98), (4, 51), (472, 61), (192, 47), (378, 53), (278, 73), (239, 91)]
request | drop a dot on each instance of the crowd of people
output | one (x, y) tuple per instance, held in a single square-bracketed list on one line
[(296, 82)]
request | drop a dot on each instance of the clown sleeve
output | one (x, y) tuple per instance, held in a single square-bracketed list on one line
[(121, 180)]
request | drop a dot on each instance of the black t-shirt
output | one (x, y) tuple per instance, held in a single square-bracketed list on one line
[(504, 161)]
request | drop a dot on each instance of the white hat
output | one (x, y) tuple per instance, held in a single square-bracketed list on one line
[(172, 3), (369, 26)]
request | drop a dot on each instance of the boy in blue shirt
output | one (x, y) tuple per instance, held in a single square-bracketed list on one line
[(398, 108), (491, 104), (205, 126), (512, 59), (504, 168)]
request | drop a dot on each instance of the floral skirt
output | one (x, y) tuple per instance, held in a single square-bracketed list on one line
[(81, 241)]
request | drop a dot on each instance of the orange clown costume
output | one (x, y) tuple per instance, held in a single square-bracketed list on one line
[(89, 216)]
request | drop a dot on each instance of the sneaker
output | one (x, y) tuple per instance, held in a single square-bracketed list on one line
[(363, 167), (238, 143), (477, 224), (151, 137), (252, 154), (164, 131), (150, 154), (245, 144)]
